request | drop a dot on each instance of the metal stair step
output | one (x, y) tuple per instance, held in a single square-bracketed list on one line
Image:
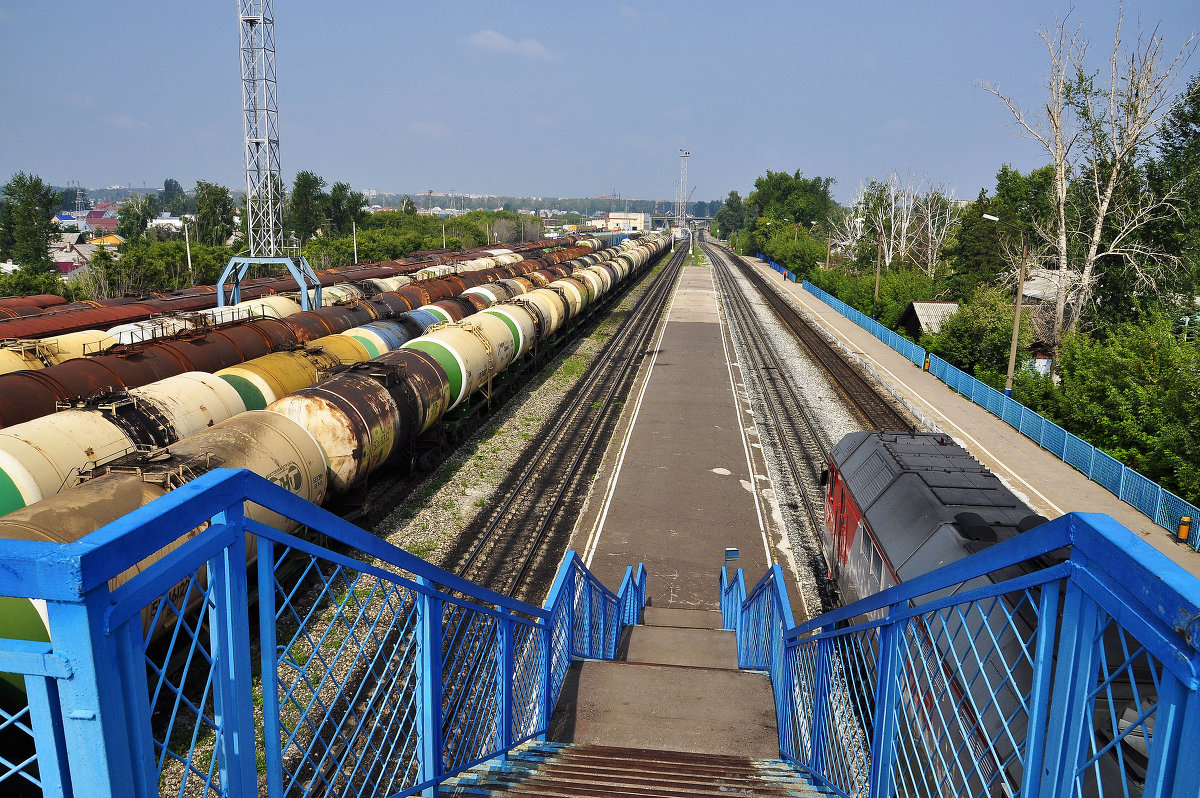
[(580, 771)]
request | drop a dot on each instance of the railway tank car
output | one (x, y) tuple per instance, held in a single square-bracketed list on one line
[(899, 505)]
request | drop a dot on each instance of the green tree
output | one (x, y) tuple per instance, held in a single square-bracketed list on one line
[(345, 208), (975, 254), (407, 206), (27, 228), (1177, 168), (307, 206), (977, 338), (172, 198), (136, 213), (1136, 394), (731, 217), (215, 209)]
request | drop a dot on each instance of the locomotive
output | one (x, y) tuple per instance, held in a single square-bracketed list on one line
[(899, 505)]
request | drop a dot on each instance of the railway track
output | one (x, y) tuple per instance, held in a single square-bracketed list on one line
[(797, 438), (515, 551), (874, 411)]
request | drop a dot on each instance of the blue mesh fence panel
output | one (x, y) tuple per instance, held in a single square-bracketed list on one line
[(1141, 492), (1170, 512), (1054, 440), (1011, 412), (1107, 471), (1079, 453), (18, 760), (1030, 424)]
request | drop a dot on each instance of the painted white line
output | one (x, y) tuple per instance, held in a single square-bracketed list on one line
[(975, 443), (593, 541), (737, 406)]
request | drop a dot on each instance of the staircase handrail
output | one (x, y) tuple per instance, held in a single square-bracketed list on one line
[(380, 669), (1060, 662)]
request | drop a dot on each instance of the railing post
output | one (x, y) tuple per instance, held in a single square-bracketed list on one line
[(1039, 696), (887, 695), (431, 687), (46, 721), (822, 677), (507, 672), (95, 728), (269, 662), (572, 598), (229, 635), (548, 674), (1074, 676)]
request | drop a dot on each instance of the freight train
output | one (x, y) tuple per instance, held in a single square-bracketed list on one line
[(41, 457), (322, 440), (42, 317), (30, 393), (899, 505)]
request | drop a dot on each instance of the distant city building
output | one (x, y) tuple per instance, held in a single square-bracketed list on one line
[(69, 253), (67, 221), (628, 221), (166, 221)]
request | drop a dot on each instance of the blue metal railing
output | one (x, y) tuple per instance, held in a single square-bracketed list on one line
[(1155, 502), (783, 270), (1062, 662), (336, 664)]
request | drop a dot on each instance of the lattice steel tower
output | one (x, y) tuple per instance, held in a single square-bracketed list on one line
[(260, 106), (681, 200)]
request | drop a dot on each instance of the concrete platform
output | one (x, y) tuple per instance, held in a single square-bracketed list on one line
[(1047, 484), (679, 487), (667, 707), (670, 645)]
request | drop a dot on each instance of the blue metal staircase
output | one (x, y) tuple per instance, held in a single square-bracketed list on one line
[(1062, 662)]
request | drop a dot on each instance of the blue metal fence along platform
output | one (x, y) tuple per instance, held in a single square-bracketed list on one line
[(196, 650), (1062, 662)]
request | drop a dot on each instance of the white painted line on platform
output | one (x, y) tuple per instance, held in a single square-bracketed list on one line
[(975, 444), (593, 541), (762, 529)]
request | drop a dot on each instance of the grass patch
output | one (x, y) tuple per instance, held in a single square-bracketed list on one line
[(422, 549)]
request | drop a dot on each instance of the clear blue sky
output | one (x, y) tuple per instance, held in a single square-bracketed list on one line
[(562, 99)]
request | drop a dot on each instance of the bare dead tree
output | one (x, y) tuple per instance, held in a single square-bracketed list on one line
[(1119, 121), (849, 229), (1053, 127), (937, 214)]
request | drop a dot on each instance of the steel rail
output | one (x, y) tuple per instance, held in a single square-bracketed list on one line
[(874, 410), (551, 471), (807, 458)]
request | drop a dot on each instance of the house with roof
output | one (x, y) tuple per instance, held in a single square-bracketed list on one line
[(925, 317)]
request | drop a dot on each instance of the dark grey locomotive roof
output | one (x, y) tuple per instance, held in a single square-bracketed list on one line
[(910, 487)]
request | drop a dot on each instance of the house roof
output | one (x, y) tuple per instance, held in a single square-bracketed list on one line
[(930, 314)]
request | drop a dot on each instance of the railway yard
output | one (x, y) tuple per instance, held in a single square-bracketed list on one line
[(488, 470), (651, 401)]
